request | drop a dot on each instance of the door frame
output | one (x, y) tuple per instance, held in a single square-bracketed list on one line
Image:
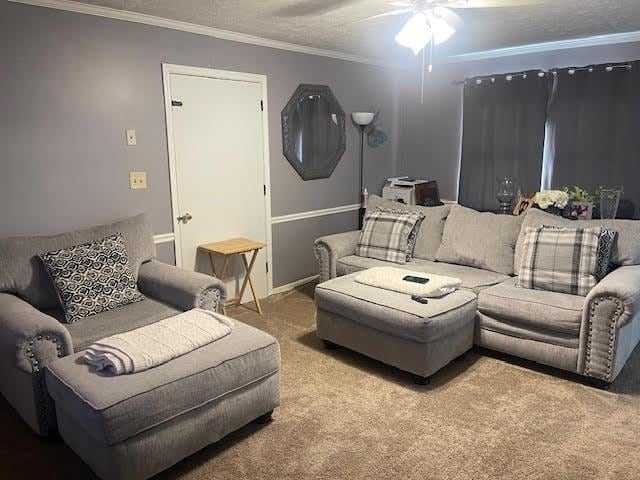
[(167, 70)]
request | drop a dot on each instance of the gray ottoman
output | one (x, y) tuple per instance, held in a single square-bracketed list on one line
[(392, 328), (134, 426)]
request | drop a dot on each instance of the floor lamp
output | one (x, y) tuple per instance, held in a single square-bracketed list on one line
[(361, 119)]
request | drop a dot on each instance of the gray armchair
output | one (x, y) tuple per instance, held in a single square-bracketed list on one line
[(32, 334)]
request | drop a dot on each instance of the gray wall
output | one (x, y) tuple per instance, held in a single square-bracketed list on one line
[(71, 84), (431, 134), (291, 243)]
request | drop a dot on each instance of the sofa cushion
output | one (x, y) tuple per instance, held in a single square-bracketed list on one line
[(560, 259), (527, 332), (394, 312), (626, 250), (480, 239), (113, 408), (92, 278), (559, 312), (120, 320), (429, 234), (473, 279), (23, 273)]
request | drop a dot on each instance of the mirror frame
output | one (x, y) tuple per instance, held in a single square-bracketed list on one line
[(288, 146)]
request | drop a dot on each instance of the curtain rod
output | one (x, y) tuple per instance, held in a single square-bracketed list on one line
[(541, 73)]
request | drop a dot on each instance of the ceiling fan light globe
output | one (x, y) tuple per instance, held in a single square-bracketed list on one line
[(415, 34), (442, 31)]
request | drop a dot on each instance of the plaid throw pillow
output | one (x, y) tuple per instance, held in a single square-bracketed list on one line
[(560, 259), (385, 234)]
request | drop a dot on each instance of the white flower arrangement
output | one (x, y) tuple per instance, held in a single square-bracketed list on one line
[(551, 198)]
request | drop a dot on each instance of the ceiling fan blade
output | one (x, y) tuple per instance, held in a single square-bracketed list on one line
[(491, 3), (398, 11)]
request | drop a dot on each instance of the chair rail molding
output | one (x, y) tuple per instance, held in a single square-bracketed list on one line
[(292, 217)]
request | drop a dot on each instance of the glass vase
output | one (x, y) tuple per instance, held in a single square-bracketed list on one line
[(506, 190), (609, 201)]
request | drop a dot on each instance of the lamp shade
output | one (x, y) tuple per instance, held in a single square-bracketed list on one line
[(362, 118)]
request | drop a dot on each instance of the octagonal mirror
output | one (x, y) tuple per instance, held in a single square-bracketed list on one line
[(313, 131)]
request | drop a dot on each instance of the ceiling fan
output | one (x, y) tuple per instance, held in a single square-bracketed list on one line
[(435, 21)]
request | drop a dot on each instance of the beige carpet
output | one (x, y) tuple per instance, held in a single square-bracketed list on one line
[(344, 416)]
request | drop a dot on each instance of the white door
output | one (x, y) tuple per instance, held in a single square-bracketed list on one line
[(218, 171)]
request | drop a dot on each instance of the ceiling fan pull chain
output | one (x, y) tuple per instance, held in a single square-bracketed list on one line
[(422, 90), (431, 51)]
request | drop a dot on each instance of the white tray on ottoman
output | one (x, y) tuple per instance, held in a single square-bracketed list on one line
[(390, 327), (135, 425)]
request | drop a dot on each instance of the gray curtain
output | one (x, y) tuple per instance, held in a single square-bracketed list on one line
[(594, 129), (503, 135)]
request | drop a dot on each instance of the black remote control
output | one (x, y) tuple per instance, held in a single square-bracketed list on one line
[(420, 299)]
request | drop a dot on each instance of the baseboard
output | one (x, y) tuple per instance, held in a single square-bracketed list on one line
[(292, 285)]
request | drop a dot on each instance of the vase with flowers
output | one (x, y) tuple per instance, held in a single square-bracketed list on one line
[(552, 201)]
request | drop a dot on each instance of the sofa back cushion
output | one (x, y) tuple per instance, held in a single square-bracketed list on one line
[(480, 239), (22, 272), (430, 233), (626, 250)]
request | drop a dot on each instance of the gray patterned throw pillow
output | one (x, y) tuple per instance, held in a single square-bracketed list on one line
[(560, 259), (92, 278), (385, 235)]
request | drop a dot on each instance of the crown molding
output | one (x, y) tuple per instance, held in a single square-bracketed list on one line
[(143, 18), (609, 39)]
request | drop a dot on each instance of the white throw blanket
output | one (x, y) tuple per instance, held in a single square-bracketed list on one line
[(155, 344), (391, 278)]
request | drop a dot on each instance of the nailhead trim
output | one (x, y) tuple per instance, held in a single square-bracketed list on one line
[(204, 293), (39, 386), (612, 336)]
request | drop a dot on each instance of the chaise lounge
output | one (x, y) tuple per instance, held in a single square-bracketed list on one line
[(592, 336), (126, 426)]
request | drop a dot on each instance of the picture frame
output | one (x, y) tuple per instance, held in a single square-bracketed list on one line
[(523, 204), (581, 210)]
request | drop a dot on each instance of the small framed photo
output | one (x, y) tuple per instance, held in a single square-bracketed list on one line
[(581, 210), (523, 204)]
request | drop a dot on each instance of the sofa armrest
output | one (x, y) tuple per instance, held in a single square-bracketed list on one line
[(29, 341), (29, 338), (181, 288), (330, 248), (609, 331)]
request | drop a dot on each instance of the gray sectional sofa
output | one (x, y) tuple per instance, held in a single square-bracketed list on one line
[(592, 336), (126, 426)]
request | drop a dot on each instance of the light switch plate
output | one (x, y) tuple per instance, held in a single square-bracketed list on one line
[(132, 141), (138, 180)]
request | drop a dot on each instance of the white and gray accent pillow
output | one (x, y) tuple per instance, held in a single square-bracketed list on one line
[(92, 278), (385, 235), (560, 259), (605, 251)]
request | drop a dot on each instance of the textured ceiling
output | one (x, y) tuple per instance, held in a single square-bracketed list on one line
[(321, 23)]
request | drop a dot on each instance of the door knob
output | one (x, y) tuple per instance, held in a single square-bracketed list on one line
[(185, 218)]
